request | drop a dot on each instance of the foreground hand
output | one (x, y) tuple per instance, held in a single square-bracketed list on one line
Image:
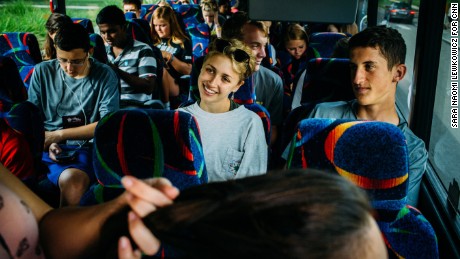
[(54, 150), (145, 197), (125, 250)]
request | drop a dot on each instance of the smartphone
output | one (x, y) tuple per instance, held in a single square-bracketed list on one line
[(66, 155)]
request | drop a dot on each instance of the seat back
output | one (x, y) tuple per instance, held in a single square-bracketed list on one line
[(26, 118), (327, 80), (322, 44), (12, 88), (97, 43), (129, 142), (191, 14), (200, 37), (86, 23), (23, 48), (373, 155)]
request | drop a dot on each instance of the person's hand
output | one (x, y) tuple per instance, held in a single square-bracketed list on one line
[(54, 150), (125, 250), (52, 137), (145, 197)]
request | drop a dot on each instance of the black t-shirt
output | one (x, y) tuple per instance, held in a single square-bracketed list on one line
[(183, 54)]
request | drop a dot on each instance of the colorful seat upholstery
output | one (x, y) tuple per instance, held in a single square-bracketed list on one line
[(191, 14), (145, 143), (322, 44), (23, 48), (86, 23), (374, 156), (246, 96), (200, 37)]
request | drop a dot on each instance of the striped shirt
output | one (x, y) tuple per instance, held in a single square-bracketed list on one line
[(136, 59)]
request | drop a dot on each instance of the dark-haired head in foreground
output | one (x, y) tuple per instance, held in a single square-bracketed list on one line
[(297, 214)]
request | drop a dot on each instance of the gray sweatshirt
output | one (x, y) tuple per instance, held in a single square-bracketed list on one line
[(234, 143)]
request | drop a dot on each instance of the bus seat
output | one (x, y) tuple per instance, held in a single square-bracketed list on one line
[(200, 37), (97, 43), (26, 118), (145, 143), (23, 48), (374, 156), (86, 23), (327, 80), (12, 89), (130, 16), (322, 44), (190, 14)]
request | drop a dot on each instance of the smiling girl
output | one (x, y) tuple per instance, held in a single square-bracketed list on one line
[(175, 47), (233, 139)]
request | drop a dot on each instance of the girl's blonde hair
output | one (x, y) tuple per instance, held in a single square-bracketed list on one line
[(244, 68), (167, 13), (209, 5)]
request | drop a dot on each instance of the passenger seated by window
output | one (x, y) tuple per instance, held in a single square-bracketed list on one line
[(212, 18), (53, 24), (296, 44), (132, 60), (72, 92), (175, 47), (267, 84), (71, 232), (377, 57), (233, 137), (294, 214), (133, 6)]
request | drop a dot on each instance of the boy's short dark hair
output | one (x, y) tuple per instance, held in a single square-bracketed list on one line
[(137, 3), (111, 15), (388, 40), (72, 36)]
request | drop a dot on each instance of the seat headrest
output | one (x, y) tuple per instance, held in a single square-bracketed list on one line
[(327, 80), (126, 142), (371, 154)]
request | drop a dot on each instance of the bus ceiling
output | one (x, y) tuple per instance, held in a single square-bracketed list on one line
[(324, 11)]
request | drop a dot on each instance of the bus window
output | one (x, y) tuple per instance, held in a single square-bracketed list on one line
[(445, 134)]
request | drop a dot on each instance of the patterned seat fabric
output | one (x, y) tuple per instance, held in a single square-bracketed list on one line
[(145, 143), (191, 14), (374, 156), (23, 48), (86, 23), (199, 35), (322, 44)]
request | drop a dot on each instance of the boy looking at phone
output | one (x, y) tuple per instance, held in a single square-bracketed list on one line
[(73, 92)]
